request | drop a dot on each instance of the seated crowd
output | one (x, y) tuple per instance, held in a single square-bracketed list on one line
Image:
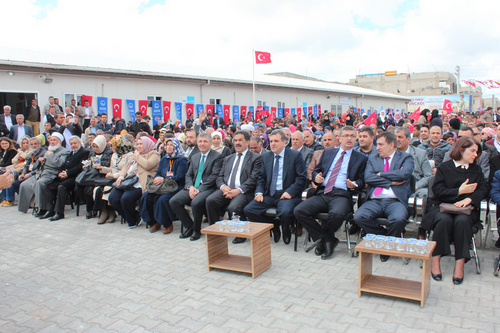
[(151, 175)]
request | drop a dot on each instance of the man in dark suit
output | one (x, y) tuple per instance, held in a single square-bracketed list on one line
[(7, 118), (191, 146), (339, 173), (298, 144), (256, 145), (139, 125), (204, 168), (282, 177), (236, 182), (388, 176), (65, 181), (218, 122), (20, 129)]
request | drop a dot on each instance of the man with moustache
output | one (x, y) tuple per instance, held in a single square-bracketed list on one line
[(328, 142)]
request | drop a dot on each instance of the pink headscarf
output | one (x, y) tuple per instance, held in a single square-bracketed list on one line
[(148, 144)]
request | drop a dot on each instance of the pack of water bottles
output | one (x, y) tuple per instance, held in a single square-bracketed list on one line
[(233, 225)]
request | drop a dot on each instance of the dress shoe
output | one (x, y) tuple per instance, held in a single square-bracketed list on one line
[(354, 229), (155, 228), (47, 215), (437, 277), (88, 216), (329, 248), (41, 213), (320, 248), (287, 236), (187, 233), (239, 240), (384, 258), (56, 217), (168, 230), (196, 235), (457, 281), (277, 233)]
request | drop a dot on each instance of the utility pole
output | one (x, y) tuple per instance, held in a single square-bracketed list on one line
[(457, 69)]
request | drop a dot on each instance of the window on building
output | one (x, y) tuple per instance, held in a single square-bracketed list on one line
[(151, 98), (281, 105), (215, 101), (70, 96)]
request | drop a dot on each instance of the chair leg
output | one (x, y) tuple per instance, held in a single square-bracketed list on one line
[(296, 232), (477, 260)]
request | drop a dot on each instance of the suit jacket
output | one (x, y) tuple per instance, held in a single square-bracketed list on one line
[(83, 115), (249, 173), (54, 163), (12, 117), (73, 165), (193, 152), (423, 170), (4, 131), (28, 130), (46, 108), (211, 170), (294, 173), (218, 123), (401, 170), (307, 154), (355, 168)]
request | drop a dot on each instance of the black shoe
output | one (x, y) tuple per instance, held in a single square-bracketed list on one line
[(329, 248), (384, 258), (437, 277), (457, 281), (277, 233), (88, 216), (354, 229), (47, 215), (239, 240), (41, 213), (196, 236), (497, 243), (287, 236), (56, 217), (320, 248), (187, 233)]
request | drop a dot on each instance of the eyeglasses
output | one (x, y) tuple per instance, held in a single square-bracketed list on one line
[(349, 136)]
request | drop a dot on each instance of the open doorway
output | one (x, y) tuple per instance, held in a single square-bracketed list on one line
[(18, 101)]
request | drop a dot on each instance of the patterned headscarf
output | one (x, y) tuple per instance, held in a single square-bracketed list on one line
[(41, 137), (25, 137), (121, 145), (148, 144), (177, 148)]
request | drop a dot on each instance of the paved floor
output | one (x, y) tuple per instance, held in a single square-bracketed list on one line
[(76, 276)]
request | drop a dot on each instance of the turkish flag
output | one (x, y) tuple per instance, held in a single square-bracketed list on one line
[(262, 57), (372, 119), (189, 109), (273, 113), (447, 106), (117, 107), (415, 114), (210, 109), (143, 107), (227, 113), (166, 110), (310, 110), (319, 109), (87, 98), (299, 114), (287, 111), (243, 112)]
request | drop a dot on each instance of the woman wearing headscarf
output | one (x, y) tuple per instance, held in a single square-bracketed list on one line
[(217, 144), (123, 152), (398, 120), (265, 140), (99, 157), (22, 154), (144, 162), (155, 209), (436, 119), (423, 116)]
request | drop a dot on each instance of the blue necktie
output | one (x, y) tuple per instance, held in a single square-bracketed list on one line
[(275, 175)]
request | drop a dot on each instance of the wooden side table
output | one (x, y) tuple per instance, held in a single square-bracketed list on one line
[(389, 286), (219, 257)]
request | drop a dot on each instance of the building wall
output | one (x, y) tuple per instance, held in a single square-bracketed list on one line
[(137, 88)]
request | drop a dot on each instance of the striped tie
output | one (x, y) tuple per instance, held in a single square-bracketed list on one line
[(334, 174)]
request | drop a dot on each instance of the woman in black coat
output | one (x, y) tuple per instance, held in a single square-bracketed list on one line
[(7, 152), (461, 182)]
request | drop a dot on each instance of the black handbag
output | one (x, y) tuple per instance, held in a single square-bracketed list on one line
[(127, 183), (92, 177), (167, 186)]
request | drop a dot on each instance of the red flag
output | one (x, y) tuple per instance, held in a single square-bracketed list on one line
[(243, 112), (447, 106), (319, 109), (117, 107), (166, 110), (415, 114), (310, 110), (372, 119), (189, 109), (227, 112), (210, 109), (299, 114), (143, 107), (87, 98), (287, 111), (273, 112), (262, 57)]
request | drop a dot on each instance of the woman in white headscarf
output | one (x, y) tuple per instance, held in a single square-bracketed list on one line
[(217, 143)]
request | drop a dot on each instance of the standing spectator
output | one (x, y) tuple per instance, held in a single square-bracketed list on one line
[(7, 118), (20, 129), (86, 114), (103, 125), (75, 109), (51, 104), (436, 119), (139, 125), (32, 116), (423, 116)]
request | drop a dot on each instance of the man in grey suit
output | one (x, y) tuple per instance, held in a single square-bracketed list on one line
[(204, 168), (298, 144), (46, 108), (86, 113), (388, 177), (53, 163), (423, 170), (20, 129), (7, 118), (236, 182), (256, 145)]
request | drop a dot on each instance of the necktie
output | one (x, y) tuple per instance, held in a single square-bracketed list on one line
[(387, 168), (200, 172), (232, 182), (275, 175), (334, 174)]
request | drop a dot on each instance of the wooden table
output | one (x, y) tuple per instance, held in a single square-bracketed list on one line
[(219, 257), (389, 286)]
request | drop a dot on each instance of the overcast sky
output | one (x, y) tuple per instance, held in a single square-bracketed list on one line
[(331, 40)]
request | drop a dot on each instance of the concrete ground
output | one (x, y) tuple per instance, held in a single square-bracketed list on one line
[(76, 276)]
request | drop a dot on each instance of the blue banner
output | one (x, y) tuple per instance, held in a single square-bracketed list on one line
[(316, 111), (199, 109), (250, 108), (292, 110), (102, 105), (156, 106), (236, 113), (131, 108), (280, 113), (178, 111), (218, 110)]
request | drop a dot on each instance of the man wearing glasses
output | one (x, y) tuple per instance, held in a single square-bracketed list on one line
[(339, 173)]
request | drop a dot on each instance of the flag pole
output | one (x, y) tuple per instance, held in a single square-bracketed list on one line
[(253, 84)]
